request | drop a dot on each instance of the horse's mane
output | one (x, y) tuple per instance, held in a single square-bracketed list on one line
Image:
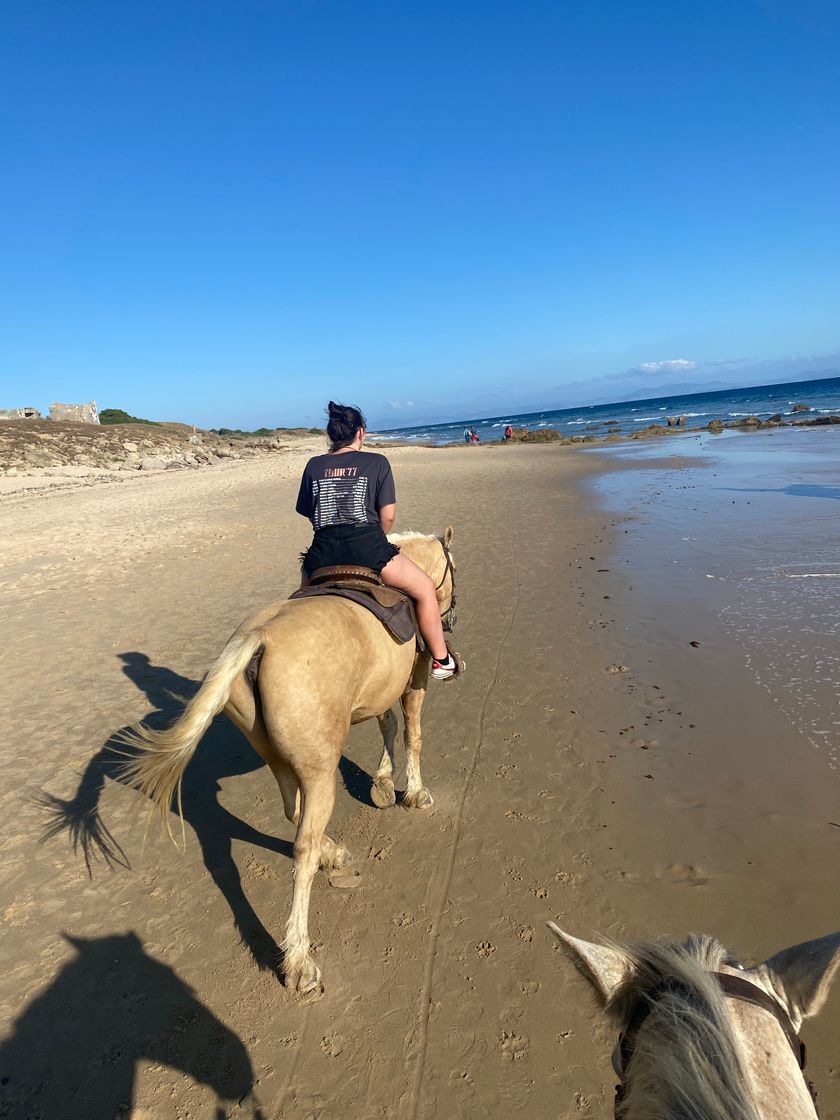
[(412, 534), (685, 1063)]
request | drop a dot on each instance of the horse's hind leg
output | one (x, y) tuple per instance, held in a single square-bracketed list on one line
[(318, 797), (416, 795), (333, 855), (382, 791)]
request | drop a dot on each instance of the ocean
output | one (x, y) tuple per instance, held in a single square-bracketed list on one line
[(626, 417), (738, 534)]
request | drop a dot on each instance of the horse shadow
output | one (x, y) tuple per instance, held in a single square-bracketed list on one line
[(73, 1051), (224, 752)]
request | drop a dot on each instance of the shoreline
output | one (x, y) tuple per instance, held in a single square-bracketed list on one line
[(544, 805)]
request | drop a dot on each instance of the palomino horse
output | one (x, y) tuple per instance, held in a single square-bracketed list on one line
[(703, 1037), (325, 663)]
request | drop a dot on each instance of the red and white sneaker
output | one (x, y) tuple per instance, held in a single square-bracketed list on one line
[(453, 666)]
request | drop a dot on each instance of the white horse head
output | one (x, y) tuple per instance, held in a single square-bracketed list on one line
[(695, 1045)]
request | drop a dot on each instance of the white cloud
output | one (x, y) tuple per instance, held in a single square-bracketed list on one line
[(400, 404), (670, 365)]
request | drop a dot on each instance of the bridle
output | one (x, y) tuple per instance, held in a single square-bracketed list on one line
[(734, 986), (448, 617)]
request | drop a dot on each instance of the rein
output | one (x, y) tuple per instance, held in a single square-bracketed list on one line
[(734, 986), (448, 617)]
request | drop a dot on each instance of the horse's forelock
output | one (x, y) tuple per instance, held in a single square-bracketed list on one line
[(688, 1053)]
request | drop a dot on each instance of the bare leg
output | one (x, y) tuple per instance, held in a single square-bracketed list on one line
[(416, 795), (404, 574), (382, 791), (300, 970)]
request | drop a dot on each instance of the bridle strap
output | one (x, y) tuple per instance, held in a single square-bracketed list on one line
[(735, 986), (739, 988), (447, 569), (448, 616)]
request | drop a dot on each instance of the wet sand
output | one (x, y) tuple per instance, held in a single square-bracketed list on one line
[(652, 800)]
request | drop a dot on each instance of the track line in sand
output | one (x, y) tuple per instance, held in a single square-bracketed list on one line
[(431, 952)]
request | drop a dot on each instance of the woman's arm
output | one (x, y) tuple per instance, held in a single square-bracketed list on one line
[(387, 514)]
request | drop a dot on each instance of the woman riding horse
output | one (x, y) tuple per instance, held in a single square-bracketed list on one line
[(348, 495)]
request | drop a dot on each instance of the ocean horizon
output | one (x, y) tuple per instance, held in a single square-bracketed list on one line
[(822, 395)]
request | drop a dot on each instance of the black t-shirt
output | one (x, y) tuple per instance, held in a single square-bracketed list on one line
[(345, 489)]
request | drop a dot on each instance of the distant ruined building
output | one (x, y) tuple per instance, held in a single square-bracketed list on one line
[(80, 413), (19, 414)]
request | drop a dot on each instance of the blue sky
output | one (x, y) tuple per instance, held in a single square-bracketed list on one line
[(227, 213)]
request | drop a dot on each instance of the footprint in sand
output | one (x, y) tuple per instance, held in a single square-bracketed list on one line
[(687, 875), (513, 1046), (506, 769), (333, 1044), (485, 949), (529, 987), (622, 875)]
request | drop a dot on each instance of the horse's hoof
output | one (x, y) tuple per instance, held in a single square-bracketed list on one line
[(304, 980), (341, 858), (422, 799), (382, 793)]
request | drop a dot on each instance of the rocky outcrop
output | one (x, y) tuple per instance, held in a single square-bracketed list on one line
[(650, 431), (72, 449), (801, 408), (542, 435), (817, 421)]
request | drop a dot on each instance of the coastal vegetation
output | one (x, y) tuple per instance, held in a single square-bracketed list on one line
[(118, 416)]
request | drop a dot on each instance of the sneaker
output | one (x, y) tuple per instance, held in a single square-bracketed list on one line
[(447, 669)]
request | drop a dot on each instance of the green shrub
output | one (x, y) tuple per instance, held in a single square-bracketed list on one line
[(117, 416)]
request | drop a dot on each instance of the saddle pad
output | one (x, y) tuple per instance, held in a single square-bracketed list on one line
[(393, 608)]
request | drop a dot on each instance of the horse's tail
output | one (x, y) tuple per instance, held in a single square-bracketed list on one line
[(161, 757)]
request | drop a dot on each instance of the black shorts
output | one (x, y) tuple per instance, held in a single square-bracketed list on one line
[(366, 545)]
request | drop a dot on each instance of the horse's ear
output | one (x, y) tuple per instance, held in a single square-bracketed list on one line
[(803, 973), (448, 534), (604, 967)]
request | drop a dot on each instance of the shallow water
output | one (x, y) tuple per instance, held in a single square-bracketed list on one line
[(744, 529)]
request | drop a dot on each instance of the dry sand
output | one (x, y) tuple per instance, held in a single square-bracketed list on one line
[(653, 800)]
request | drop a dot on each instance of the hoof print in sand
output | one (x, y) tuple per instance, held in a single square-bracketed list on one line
[(345, 878), (686, 875)]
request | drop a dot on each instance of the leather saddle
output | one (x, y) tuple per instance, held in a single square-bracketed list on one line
[(394, 609)]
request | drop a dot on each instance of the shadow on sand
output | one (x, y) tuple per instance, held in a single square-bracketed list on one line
[(223, 753), (72, 1053)]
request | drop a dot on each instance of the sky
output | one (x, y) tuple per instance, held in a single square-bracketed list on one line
[(227, 213)]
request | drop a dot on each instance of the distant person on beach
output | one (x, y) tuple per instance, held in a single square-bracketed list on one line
[(467, 435), (349, 496), (475, 437), (508, 432)]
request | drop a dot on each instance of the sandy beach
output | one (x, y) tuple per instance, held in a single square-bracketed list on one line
[(593, 767)]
